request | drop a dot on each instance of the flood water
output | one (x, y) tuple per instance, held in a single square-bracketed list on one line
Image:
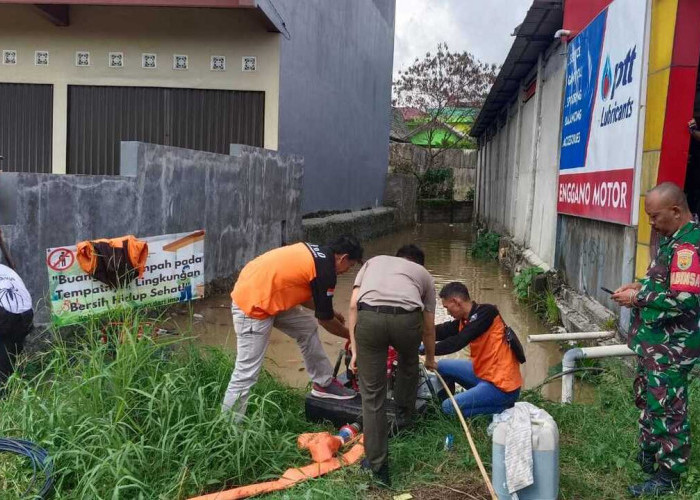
[(445, 247)]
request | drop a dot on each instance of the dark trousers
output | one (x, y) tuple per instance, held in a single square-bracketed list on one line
[(14, 328), (374, 333)]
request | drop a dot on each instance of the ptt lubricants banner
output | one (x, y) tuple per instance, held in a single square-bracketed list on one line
[(174, 272), (600, 123)]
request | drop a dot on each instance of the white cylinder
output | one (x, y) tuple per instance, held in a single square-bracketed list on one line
[(572, 355), (556, 337)]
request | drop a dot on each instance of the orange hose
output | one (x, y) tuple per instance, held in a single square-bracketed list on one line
[(295, 475)]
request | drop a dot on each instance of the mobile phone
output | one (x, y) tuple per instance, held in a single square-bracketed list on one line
[(606, 290)]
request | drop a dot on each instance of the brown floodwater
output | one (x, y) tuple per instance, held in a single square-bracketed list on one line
[(445, 248)]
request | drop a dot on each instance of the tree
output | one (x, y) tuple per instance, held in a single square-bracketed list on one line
[(440, 87)]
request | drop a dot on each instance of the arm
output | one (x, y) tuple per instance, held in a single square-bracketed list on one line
[(429, 340), (446, 329), (352, 322), (335, 327), (667, 304), (472, 330)]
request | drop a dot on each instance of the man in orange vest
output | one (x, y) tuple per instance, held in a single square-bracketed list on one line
[(492, 377), (277, 289)]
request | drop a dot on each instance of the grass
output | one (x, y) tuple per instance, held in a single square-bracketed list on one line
[(141, 420), (485, 246)]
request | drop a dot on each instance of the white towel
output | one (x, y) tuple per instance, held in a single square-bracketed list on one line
[(518, 448)]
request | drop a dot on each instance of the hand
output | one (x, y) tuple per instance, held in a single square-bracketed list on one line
[(339, 317), (353, 363), (692, 126), (626, 298), (628, 286), (430, 364)]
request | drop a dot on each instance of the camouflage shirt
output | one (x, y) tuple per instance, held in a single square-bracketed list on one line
[(665, 322)]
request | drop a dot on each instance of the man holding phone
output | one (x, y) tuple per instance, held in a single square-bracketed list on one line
[(665, 336)]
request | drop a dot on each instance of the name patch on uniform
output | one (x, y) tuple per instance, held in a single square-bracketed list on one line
[(685, 269)]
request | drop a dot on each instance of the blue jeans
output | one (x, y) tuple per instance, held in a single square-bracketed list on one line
[(480, 398)]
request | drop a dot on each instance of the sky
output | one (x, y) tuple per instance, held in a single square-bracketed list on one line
[(482, 27)]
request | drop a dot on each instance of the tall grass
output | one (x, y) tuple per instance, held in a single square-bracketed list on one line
[(141, 419)]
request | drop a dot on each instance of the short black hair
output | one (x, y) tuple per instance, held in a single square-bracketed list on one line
[(454, 289), (347, 244), (412, 253)]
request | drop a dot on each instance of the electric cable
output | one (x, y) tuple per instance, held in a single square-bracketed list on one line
[(551, 378), (39, 458)]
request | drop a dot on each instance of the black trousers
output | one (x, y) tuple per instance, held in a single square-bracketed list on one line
[(374, 333), (14, 328)]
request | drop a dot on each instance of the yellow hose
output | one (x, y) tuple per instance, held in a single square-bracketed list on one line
[(469, 438)]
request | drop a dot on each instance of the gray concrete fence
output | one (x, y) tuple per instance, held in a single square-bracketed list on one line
[(248, 202)]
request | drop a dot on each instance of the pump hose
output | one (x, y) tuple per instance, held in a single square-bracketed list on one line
[(39, 459), (469, 438)]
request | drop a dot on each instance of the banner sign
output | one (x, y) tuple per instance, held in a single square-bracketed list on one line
[(174, 273), (600, 122)]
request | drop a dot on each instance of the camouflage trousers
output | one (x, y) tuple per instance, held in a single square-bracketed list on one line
[(664, 429)]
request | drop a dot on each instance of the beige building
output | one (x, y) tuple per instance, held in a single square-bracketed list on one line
[(75, 81), (304, 77)]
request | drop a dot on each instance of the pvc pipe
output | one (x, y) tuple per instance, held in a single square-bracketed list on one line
[(572, 355), (555, 337)]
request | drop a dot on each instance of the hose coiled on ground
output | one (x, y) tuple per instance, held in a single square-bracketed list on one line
[(39, 459)]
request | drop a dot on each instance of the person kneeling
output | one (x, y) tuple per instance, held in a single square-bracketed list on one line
[(492, 377)]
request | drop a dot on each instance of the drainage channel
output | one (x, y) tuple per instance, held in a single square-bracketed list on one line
[(447, 259)]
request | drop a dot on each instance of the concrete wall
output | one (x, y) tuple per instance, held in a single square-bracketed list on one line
[(335, 93), (408, 157), (517, 177), (592, 254), (451, 211), (197, 33), (518, 163), (363, 224), (239, 200), (401, 192)]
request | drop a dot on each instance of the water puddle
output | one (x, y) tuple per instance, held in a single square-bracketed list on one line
[(445, 247)]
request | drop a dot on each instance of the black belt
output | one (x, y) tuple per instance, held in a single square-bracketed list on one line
[(385, 309)]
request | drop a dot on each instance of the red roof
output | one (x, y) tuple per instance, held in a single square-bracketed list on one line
[(411, 113)]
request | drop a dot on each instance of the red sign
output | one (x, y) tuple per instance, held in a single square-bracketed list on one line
[(603, 195), (60, 259)]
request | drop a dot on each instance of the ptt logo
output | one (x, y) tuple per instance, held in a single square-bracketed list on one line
[(610, 81)]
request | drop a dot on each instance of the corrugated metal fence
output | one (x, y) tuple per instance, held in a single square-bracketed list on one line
[(26, 123), (99, 118)]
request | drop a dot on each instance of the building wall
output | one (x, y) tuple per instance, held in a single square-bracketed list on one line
[(235, 198), (335, 97), (519, 164), (673, 67), (198, 33)]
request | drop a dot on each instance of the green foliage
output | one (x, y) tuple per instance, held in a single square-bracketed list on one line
[(610, 324), (470, 193), (543, 303), (486, 246), (523, 282), (551, 309), (140, 419), (437, 183)]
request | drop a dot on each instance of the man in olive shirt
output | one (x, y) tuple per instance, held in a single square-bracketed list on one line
[(392, 304)]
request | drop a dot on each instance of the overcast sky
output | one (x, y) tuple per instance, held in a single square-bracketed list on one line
[(482, 27)]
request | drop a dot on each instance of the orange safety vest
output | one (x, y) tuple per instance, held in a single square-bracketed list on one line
[(493, 359), (115, 262)]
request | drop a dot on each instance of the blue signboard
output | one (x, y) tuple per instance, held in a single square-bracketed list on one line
[(583, 63)]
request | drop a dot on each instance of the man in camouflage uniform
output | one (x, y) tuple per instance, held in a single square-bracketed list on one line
[(666, 338)]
